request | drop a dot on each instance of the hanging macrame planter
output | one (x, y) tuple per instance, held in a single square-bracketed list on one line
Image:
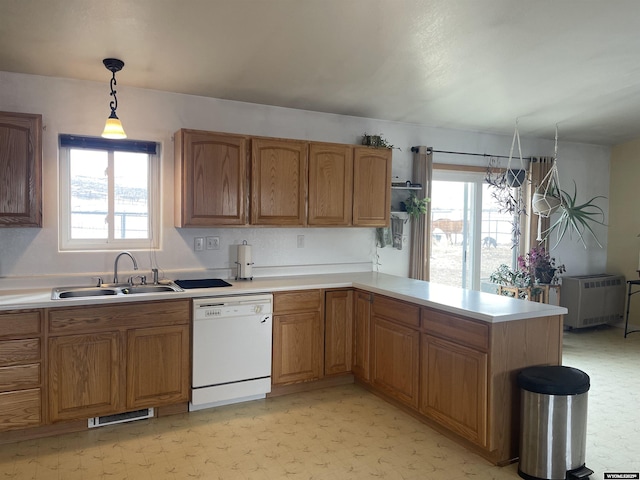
[(547, 197), (515, 177)]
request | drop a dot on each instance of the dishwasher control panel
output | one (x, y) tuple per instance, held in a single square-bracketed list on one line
[(225, 307)]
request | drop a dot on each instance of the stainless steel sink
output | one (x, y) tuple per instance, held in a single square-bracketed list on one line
[(111, 290), (149, 289), (70, 292)]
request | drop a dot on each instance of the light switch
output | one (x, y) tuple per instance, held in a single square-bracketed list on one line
[(198, 244)]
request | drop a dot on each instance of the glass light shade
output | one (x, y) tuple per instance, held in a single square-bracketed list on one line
[(113, 128)]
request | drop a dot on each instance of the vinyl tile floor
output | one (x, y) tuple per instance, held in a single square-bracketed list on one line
[(336, 433)]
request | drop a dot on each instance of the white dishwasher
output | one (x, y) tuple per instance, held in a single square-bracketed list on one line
[(231, 349)]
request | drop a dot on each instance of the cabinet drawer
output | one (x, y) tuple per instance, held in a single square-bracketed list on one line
[(18, 324), (111, 317), (303, 300), (460, 330), (19, 377), (19, 351), (20, 409), (396, 310)]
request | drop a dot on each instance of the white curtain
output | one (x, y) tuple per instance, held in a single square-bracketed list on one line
[(421, 227)]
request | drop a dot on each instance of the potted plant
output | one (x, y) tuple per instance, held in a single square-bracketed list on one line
[(540, 266), (376, 141), (416, 206), (508, 277)]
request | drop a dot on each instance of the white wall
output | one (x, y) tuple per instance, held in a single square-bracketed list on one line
[(79, 107)]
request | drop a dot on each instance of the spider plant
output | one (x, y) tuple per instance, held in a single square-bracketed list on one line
[(578, 218)]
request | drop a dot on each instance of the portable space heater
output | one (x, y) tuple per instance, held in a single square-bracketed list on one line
[(593, 299)]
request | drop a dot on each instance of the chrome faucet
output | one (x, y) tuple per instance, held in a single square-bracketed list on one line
[(115, 265)]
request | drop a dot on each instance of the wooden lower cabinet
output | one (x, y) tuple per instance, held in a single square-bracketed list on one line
[(85, 375), (20, 409), (453, 387), (361, 335), (157, 366), (115, 358), (395, 360), (298, 337), (338, 331), (21, 380)]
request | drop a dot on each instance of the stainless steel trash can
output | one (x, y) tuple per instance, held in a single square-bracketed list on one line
[(553, 423)]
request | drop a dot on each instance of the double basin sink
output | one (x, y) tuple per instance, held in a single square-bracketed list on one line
[(112, 290)]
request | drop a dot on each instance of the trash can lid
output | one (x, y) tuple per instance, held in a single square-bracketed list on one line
[(554, 380)]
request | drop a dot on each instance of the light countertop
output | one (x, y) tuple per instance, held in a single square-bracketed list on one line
[(479, 305)]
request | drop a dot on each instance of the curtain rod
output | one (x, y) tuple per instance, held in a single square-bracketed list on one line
[(431, 150)]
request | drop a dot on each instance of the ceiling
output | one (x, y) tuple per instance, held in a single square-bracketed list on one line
[(463, 64)]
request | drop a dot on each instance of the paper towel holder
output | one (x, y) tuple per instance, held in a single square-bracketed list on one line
[(239, 268)]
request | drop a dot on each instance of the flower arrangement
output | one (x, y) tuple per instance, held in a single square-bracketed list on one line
[(540, 266)]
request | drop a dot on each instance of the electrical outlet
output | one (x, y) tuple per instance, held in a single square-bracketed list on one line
[(300, 241), (198, 244), (213, 243)]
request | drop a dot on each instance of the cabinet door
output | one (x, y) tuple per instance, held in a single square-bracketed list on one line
[(361, 335), (297, 347), (338, 332), (20, 409), (85, 375), (371, 186), (454, 387), (211, 179), (395, 360), (21, 167), (330, 184), (278, 182), (157, 366)]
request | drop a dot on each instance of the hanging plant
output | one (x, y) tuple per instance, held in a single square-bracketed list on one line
[(416, 206), (578, 218)]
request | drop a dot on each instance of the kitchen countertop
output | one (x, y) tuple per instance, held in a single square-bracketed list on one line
[(470, 303)]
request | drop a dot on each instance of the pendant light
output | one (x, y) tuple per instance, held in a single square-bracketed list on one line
[(113, 127)]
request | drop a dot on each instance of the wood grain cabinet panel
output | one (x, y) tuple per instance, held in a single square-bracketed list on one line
[(395, 360), (362, 335), (211, 179), (20, 409), (371, 187), (108, 359), (278, 182), (21, 167), (85, 375), (338, 331), (158, 366), (14, 352), (330, 184), (298, 336), (21, 382), (297, 341), (19, 377), (454, 387)]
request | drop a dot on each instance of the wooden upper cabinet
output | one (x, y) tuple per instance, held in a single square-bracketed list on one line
[(211, 179), (20, 170), (371, 187), (278, 182), (330, 184)]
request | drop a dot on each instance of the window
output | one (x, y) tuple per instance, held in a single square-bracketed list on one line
[(470, 236), (109, 194)]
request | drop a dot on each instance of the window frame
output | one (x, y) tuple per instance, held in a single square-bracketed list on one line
[(154, 185)]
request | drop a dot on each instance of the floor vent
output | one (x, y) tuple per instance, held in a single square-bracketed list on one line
[(121, 418)]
